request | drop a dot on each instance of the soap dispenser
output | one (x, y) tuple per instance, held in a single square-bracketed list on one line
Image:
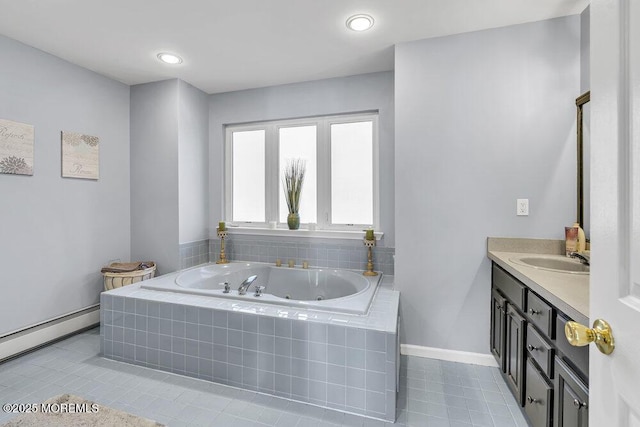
[(581, 245)]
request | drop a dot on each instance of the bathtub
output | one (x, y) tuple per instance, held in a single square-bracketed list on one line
[(318, 352), (340, 291)]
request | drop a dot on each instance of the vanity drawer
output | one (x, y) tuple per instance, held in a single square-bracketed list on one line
[(509, 286), (538, 397), (540, 314), (576, 356), (540, 350)]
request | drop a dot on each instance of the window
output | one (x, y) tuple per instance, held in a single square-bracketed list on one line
[(249, 151), (340, 190)]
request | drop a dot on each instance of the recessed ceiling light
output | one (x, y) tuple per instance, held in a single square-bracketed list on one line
[(360, 22), (169, 58)]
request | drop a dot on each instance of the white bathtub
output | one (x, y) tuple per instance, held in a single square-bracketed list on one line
[(322, 289)]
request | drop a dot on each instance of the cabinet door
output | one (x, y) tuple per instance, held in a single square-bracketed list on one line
[(578, 357), (571, 398), (514, 354), (537, 403), (498, 315)]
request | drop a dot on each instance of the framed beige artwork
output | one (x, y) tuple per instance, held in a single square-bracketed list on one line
[(16, 148), (80, 155)]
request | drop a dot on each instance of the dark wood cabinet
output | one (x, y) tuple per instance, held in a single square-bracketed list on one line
[(576, 357), (540, 350), (547, 376), (538, 399), (572, 398), (514, 353), (540, 314), (498, 318)]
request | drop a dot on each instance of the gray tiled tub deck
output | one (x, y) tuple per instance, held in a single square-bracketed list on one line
[(337, 361)]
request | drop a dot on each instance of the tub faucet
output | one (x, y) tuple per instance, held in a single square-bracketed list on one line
[(244, 286)]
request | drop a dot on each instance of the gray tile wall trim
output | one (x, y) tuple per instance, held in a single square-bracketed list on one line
[(194, 253), (340, 367), (344, 254)]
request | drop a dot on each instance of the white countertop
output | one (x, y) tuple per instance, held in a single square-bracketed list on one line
[(567, 292)]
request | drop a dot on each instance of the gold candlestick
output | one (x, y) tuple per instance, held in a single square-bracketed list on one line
[(223, 257), (370, 244)]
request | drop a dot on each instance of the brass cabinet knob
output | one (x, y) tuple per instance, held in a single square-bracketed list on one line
[(579, 335)]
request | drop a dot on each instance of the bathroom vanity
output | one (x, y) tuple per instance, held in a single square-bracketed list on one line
[(529, 309)]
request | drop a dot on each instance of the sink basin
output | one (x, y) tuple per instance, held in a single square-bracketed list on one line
[(557, 263)]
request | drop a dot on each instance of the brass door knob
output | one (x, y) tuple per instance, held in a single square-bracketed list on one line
[(579, 335)]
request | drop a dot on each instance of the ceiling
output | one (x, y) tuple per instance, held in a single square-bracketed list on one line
[(240, 44)]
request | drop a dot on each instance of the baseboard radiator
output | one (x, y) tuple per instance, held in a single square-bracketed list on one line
[(18, 342)]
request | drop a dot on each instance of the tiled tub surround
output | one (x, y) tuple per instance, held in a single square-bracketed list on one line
[(194, 253), (339, 253), (338, 361)]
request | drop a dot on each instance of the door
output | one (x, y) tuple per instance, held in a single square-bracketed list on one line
[(514, 352), (571, 400), (497, 327), (614, 380)]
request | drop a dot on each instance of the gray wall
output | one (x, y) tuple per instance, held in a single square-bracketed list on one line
[(154, 174), (585, 52), (193, 163), (585, 85), (57, 232), (332, 96), (482, 119), (169, 174)]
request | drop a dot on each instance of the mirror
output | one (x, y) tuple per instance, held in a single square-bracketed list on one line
[(583, 150)]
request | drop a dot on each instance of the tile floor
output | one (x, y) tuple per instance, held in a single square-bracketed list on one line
[(432, 392)]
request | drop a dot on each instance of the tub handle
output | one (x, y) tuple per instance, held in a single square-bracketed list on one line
[(227, 288), (259, 290)]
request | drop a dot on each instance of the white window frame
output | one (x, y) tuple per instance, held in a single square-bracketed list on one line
[(323, 153)]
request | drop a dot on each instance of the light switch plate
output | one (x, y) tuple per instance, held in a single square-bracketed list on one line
[(522, 207)]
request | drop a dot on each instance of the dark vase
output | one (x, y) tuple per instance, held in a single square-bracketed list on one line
[(293, 220)]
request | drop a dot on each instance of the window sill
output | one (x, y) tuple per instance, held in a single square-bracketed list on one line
[(282, 232)]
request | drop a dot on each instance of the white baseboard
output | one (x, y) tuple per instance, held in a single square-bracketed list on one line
[(35, 336), (449, 355)]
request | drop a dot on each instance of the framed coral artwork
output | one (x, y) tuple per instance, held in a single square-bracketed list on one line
[(80, 155), (16, 148)]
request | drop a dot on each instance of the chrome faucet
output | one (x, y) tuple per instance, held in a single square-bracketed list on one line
[(582, 258), (244, 286), (227, 287)]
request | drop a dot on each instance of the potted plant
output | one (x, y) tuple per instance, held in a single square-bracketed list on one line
[(292, 180)]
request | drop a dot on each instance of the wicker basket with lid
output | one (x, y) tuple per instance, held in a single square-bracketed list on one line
[(113, 280)]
